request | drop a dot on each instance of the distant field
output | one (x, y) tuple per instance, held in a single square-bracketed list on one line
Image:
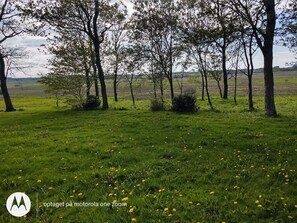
[(225, 166), (285, 84)]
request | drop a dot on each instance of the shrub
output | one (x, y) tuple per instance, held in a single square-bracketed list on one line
[(157, 105), (92, 102), (184, 103)]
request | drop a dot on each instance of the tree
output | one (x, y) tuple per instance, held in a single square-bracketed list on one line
[(261, 17), (92, 17), (155, 22), (221, 32), (10, 26), (132, 70), (288, 28), (115, 55)]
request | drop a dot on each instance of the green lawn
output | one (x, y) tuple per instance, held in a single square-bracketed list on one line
[(225, 166)]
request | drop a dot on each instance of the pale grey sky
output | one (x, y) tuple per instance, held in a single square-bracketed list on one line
[(36, 61)]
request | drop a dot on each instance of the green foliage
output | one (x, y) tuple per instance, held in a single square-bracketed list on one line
[(157, 105), (231, 166), (92, 102), (184, 103)]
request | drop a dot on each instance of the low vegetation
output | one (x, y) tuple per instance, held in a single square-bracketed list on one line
[(226, 166)]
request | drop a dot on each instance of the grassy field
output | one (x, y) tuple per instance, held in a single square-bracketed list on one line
[(225, 166)]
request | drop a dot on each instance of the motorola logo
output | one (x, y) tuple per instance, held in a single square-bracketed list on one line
[(18, 204)]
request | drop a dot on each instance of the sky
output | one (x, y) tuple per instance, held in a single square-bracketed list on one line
[(36, 60)]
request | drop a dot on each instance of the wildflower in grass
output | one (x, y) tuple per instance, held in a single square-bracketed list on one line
[(19, 177), (72, 196), (260, 196), (131, 193), (235, 202), (80, 194), (114, 201), (143, 181), (125, 199), (39, 181), (170, 215), (131, 210), (180, 195), (212, 192), (257, 201), (290, 217), (109, 195), (259, 206), (166, 209), (295, 205), (50, 188), (75, 177), (190, 202), (133, 220), (174, 210)]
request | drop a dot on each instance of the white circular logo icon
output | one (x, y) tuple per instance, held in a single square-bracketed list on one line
[(18, 204)]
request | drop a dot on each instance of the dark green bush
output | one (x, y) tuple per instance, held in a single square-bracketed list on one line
[(184, 103), (92, 102), (157, 105)]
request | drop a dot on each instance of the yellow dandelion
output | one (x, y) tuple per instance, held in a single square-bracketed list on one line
[(257, 201), (131, 193), (110, 194), (114, 201), (50, 188), (190, 202), (282, 198), (180, 195), (235, 202), (97, 185), (19, 177), (295, 205), (170, 215), (131, 210), (259, 206), (72, 196), (290, 217), (211, 193), (174, 210), (125, 199), (166, 209), (133, 220), (80, 194), (260, 196), (39, 181)]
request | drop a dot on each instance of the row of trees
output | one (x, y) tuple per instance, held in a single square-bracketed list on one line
[(93, 38)]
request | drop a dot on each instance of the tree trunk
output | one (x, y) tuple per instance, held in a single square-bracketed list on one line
[(268, 58), (4, 89), (88, 81), (235, 88), (225, 73), (207, 92), (269, 85), (162, 89), (220, 89), (132, 93), (171, 87), (155, 88), (115, 81), (251, 103), (97, 42), (203, 87)]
